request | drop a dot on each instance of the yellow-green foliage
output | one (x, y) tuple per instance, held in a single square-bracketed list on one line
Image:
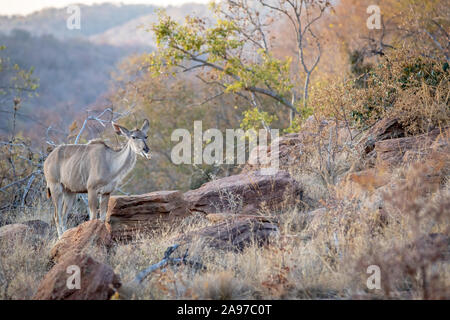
[(218, 45), (253, 119)]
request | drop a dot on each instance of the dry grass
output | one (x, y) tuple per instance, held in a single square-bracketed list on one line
[(319, 256), (24, 261)]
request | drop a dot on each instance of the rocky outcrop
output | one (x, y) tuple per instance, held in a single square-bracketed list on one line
[(234, 234), (245, 193), (394, 151), (91, 235), (97, 280), (129, 215)]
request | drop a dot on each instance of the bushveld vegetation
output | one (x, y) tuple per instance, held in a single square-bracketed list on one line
[(356, 210)]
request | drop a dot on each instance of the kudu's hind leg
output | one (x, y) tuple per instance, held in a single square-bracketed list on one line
[(104, 206), (69, 199), (92, 202)]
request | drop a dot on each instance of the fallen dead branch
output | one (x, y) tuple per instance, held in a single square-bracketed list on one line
[(168, 260)]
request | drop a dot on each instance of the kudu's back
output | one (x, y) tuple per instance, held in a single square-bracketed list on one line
[(73, 166)]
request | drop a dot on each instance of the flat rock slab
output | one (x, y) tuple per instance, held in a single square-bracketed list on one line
[(234, 234), (129, 215), (97, 280), (245, 193)]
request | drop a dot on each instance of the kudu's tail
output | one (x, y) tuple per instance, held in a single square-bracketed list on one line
[(49, 194)]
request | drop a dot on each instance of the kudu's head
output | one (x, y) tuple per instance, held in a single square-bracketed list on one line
[(136, 138)]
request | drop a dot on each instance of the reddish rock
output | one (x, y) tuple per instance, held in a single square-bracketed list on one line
[(93, 234), (129, 215), (245, 193), (97, 280)]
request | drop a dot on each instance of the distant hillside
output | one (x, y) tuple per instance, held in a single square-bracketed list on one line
[(95, 19), (133, 32), (72, 73)]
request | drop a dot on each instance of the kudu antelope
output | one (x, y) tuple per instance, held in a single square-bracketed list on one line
[(92, 168)]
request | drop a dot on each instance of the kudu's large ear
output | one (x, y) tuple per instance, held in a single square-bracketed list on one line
[(121, 131), (145, 126)]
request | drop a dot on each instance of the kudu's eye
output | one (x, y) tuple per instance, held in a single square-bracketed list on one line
[(133, 137)]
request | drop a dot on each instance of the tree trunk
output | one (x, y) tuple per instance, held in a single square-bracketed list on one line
[(305, 91)]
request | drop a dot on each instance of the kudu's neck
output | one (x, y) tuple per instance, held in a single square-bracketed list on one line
[(124, 160)]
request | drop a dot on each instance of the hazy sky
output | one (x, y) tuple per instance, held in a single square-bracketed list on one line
[(28, 6)]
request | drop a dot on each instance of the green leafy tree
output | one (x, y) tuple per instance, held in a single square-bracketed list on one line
[(15, 83), (19, 163), (235, 52)]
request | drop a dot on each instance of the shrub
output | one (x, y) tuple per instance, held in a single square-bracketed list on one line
[(406, 84)]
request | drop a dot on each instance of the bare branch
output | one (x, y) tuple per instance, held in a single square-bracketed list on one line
[(165, 261)]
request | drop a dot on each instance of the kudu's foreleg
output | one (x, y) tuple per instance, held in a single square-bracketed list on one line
[(104, 206), (93, 204), (69, 199)]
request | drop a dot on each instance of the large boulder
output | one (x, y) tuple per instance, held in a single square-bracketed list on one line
[(129, 215), (97, 280), (91, 235), (246, 193)]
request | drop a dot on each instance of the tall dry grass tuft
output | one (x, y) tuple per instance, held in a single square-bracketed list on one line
[(415, 261), (24, 262)]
